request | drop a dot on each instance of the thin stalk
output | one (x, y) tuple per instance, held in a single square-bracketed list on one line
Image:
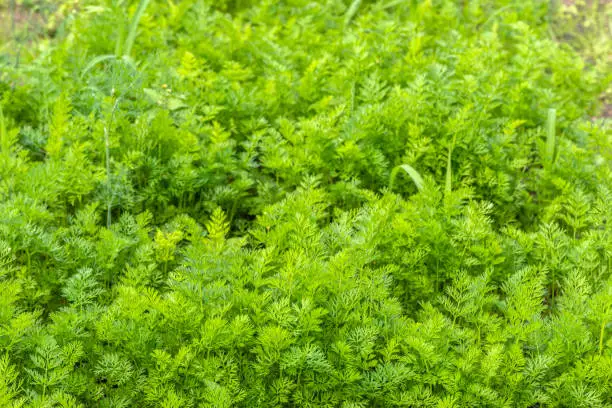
[(449, 173), (107, 130), (352, 97), (601, 337), (5, 144), (551, 135), (119, 43), (232, 213), (44, 385), (552, 291), (449, 170)]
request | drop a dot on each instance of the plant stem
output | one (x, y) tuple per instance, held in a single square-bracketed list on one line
[(108, 158), (601, 337), (449, 175), (131, 37)]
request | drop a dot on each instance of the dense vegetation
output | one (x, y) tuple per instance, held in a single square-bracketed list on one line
[(303, 203)]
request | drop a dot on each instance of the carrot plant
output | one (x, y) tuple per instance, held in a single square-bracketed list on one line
[(327, 203)]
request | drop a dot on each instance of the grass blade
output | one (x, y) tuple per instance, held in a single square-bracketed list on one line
[(95, 61), (350, 13), (551, 135), (129, 42), (411, 171), (449, 173)]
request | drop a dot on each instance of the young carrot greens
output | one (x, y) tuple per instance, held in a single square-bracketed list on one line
[(296, 203)]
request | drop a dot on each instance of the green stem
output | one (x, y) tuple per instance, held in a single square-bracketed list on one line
[(552, 290), (233, 210), (601, 337), (107, 130), (131, 37), (44, 389), (449, 171)]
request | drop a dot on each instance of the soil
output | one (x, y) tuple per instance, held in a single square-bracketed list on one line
[(21, 21)]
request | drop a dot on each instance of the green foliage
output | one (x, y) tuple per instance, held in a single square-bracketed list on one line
[(203, 204)]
